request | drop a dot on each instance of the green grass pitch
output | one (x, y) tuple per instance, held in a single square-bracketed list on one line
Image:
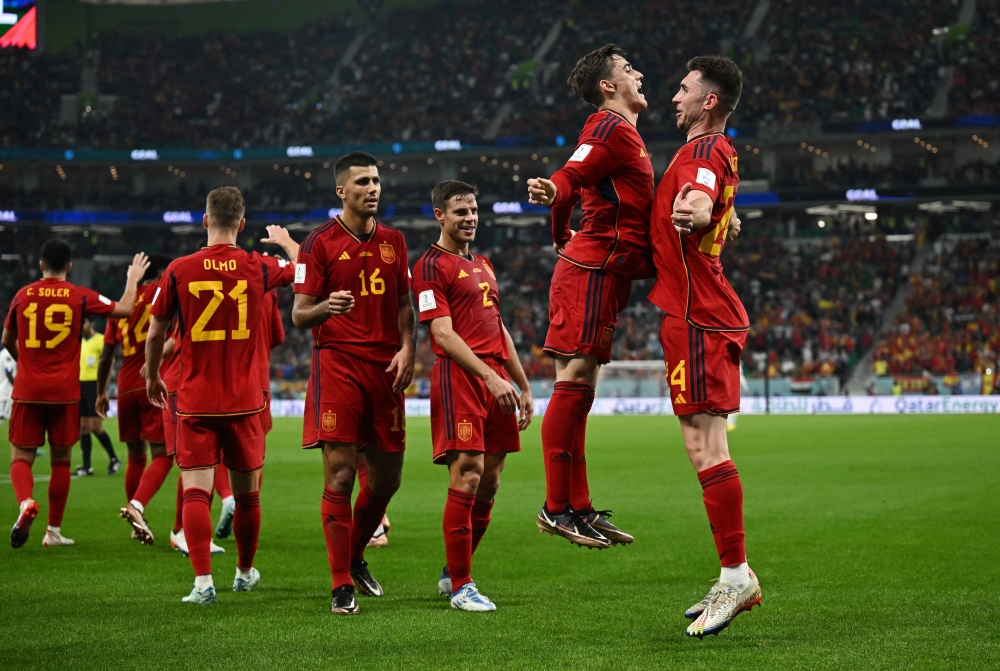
[(875, 540)]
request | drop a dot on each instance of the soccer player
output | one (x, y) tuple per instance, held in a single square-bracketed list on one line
[(42, 334), (139, 421), (611, 175), (90, 421), (473, 405), (705, 324), (352, 288), (8, 371), (217, 295)]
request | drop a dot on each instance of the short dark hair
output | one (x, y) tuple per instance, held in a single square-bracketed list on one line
[(585, 79), (56, 255), (448, 189), (157, 264), (721, 74), (225, 206), (356, 159)]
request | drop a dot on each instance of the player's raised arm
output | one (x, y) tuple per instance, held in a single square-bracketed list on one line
[(136, 271), (402, 363), (278, 235)]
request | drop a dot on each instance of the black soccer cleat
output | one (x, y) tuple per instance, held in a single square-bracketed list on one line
[(344, 602), (363, 579), (83, 471), (598, 519), (572, 526), (114, 466)]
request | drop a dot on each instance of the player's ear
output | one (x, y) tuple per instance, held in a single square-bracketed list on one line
[(204, 220), (711, 102), (69, 267), (340, 191), (243, 223), (439, 215)]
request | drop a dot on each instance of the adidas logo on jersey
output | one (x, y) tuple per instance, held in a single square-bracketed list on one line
[(642, 153), (345, 256), (462, 273)]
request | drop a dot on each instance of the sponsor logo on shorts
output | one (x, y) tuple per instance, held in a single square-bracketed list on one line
[(465, 430), (329, 421), (606, 334), (388, 253)]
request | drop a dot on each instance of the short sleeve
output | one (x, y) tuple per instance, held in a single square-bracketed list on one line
[(164, 305), (280, 272), (432, 299), (110, 333), (702, 164), (97, 304), (403, 278), (310, 269)]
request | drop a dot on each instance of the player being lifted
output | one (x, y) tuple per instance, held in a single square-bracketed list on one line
[(611, 174), (473, 405), (217, 295), (705, 324), (139, 421), (352, 288), (42, 333)]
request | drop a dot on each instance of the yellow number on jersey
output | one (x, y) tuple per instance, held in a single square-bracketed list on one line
[(238, 294), (61, 329), (678, 377), (711, 244), (376, 283), (485, 286)]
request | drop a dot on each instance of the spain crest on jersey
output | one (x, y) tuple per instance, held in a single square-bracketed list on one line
[(388, 253), (464, 430), (606, 333), (329, 421)]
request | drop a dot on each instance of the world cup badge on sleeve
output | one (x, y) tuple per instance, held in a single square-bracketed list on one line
[(329, 421), (388, 253), (464, 430)]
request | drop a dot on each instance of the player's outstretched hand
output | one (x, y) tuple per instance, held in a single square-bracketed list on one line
[(683, 214), (541, 191), (157, 392), (734, 227), (102, 406), (504, 393), (558, 247), (402, 364), (527, 409), (277, 235), (340, 302), (140, 263)]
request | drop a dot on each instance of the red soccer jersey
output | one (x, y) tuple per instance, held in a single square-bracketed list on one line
[(170, 365), (48, 316), (689, 280), (465, 289), (374, 270), (130, 333), (610, 172), (271, 334), (218, 294)]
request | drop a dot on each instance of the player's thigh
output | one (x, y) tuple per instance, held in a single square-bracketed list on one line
[(198, 443), (242, 442), (465, 470), (493, 466), (384, 417), (335, 400), (705, 439), (130, 417), (458, 410), (62, 423), (583, 311), (151, 420), (500, 433), (340, 462), (27, 425)]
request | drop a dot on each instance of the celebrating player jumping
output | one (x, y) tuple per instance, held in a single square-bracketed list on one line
[(611, 174), (352, 288), (705, 324), (473, 405)]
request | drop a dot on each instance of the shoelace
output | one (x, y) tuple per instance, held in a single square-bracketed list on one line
[(722, 595), (606, 514)]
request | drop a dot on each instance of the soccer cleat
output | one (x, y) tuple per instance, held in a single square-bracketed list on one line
[(469, 599), (444, 582), (344, 602), (54, 539), (246, 584), (216, 549), (204, 596), (83, 471), (225, 525), (22, 527), (598, 520), (178, 542), (724, 606), (114, 466), (380, 538), (694, 611), (140, 529), (571, 526), (363, 579)]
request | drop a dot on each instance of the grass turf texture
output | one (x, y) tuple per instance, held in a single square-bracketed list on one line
[(872, 538)]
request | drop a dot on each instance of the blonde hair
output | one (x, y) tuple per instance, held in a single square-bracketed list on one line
[(225, 207)]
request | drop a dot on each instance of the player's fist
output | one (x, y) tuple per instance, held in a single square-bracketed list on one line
[(504, 393), (541, 191), (734, 227), (683, 215), (136, 271), (527, 409), (340, 302), (556, 246)]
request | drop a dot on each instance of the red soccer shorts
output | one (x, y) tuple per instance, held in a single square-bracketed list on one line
[(583, 311), (350, 400), (138, 419), (170, 424), (465, 415), (265, 414), (29, 422), (235, 440), (703, 367)]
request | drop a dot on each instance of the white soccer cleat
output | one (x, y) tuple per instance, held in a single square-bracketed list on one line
[(380, 538), (444, 583), (216, 549), (246, 584), (178, 542), (469, 599), (55, 539), (225, 525), (725, 605), (204, 596), (694, 611)]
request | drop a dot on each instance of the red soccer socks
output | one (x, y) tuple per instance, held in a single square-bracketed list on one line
[(198, 529), (457, 527), (362, 475), (246, 528), (152, 478), (178, 519), (480, 521), (336, 514), (579, 488), (723, 494), (22, 479), (368, 512), (133, 474), (222, 481), (559, 434), (58, 492)]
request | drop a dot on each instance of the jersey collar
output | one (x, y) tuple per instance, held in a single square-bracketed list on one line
[(351, 233), (471, 257), (709, 134), (617, 115)]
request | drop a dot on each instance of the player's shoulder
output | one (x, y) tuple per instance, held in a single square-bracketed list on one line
[(389, 232), (711, 147), (319, 235), (431, 263)]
